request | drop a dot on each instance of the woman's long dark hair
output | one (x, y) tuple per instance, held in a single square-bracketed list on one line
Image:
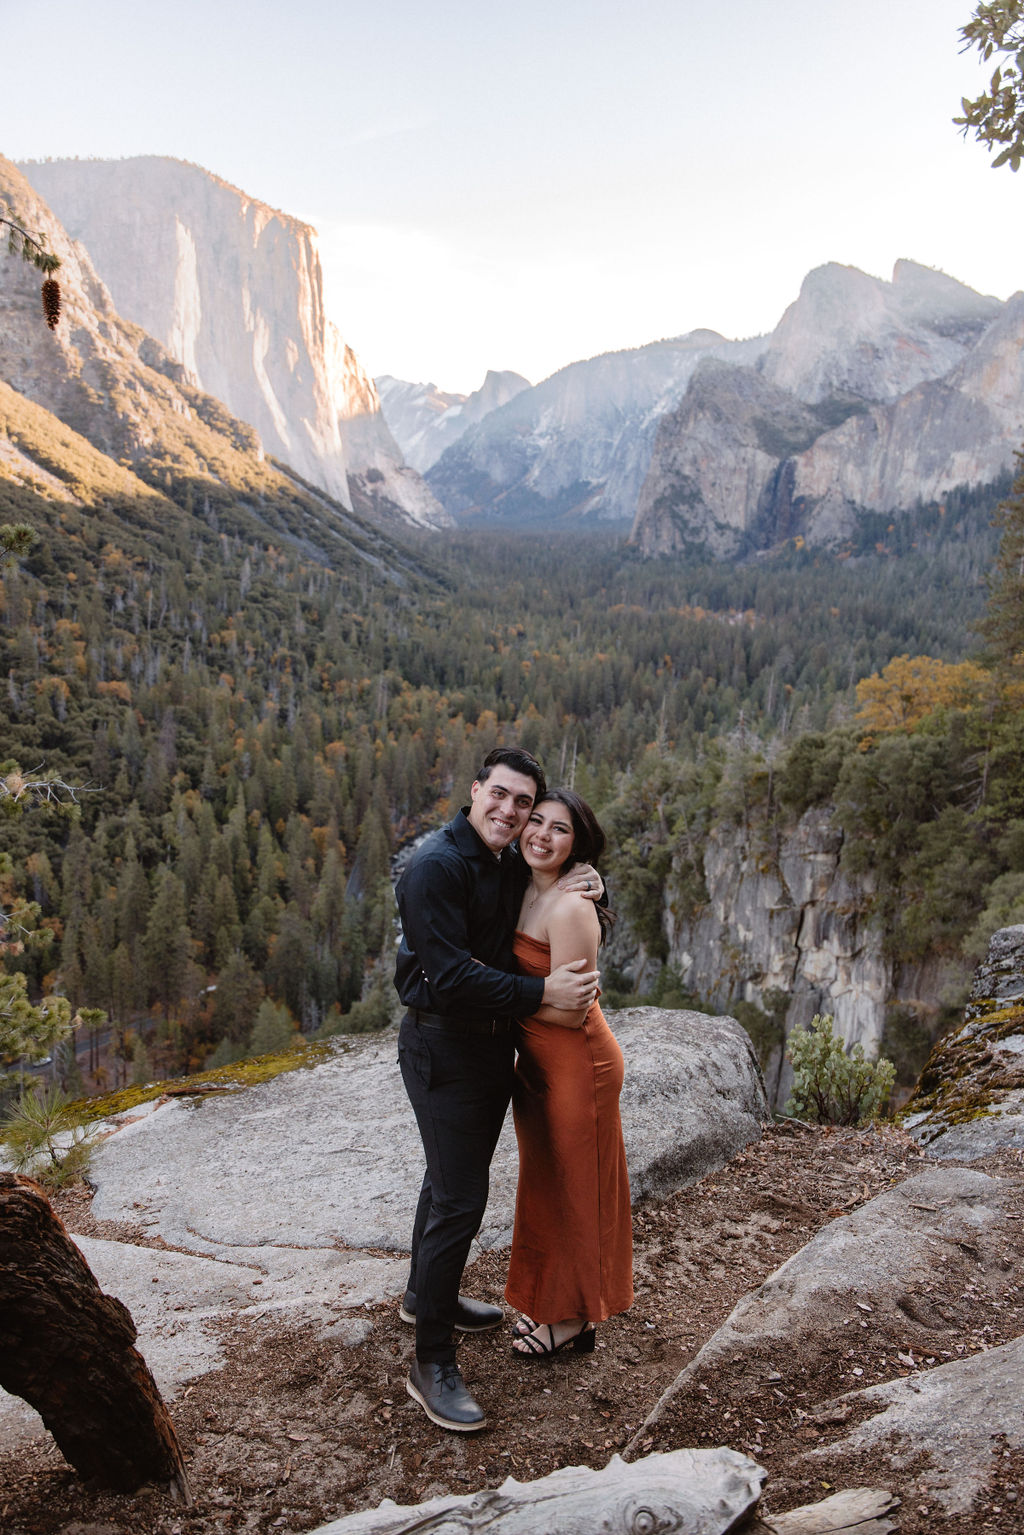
[(588, 841)]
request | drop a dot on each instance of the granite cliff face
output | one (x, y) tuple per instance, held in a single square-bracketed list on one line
[(788, 918), (715, 460), (869, 396), (851, 334), (233, 291), (100, 374), (577, 445), (424, 420), (145, 432)]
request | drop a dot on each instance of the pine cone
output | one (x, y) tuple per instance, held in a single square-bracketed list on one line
[(51, 302)]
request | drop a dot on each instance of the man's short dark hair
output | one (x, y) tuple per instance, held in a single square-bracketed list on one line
[(519, 761)]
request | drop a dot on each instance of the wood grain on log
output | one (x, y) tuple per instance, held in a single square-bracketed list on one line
[(858, 1511), (67, 1350)]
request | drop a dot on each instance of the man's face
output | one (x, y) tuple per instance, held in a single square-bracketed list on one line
[(501, 807)]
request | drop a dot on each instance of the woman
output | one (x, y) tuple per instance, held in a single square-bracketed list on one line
[(572, 1257)]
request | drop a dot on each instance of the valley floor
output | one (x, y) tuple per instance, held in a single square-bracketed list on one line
[(296, 1431)]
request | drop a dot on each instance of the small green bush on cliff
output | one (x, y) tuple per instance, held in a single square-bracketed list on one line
[(46, 1137), (831, 1085)]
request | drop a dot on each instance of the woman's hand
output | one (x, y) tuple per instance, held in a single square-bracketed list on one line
[(583, 880)]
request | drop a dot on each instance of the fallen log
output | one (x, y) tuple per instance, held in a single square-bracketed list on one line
[(67, 1349), (858, 1511)]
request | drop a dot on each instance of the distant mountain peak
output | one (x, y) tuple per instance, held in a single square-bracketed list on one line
[(425, 421)]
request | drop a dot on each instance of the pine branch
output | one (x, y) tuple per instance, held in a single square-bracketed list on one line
[(20, 242), (18, 789)]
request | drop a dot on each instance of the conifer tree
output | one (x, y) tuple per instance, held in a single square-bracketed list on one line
[(1003, 624)]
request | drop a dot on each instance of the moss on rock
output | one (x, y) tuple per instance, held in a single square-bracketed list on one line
[(234, 1078)]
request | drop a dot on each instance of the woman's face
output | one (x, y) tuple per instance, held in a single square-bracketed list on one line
[(547, 842)]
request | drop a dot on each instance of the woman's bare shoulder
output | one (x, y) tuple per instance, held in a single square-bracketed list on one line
[(572, 912)]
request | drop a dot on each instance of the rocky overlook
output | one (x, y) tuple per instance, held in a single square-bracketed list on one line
[(831, 1308)]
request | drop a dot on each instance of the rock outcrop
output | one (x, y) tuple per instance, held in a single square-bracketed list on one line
[(424, 420), (232, 289), (848, 334), (868, 396), (871, 1266), (783, 916), (693, 1097), (970, 1099), (953, 1418), (878, 1293), (790, 921)]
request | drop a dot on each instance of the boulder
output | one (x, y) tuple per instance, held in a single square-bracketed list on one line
[(337, 1155), (969, 1102)]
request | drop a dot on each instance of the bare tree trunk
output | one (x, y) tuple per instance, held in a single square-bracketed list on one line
[(66, 1348)]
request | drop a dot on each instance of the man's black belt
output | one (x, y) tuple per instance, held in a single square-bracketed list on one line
[(464, 1025)]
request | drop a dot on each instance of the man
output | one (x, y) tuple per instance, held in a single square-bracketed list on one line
[(459, 899)]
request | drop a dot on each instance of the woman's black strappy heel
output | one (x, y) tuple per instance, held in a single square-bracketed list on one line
[(582, 1342)]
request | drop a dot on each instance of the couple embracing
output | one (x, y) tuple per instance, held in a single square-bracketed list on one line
[(499, 956)]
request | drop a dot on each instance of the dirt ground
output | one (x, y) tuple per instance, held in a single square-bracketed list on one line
[(294, 1432)]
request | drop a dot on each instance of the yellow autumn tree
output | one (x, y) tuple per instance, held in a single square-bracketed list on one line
[(911, 687)]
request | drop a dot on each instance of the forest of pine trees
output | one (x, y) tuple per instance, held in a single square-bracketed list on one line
[(258, 730)]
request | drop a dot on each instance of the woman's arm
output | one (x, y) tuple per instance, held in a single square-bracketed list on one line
[(573, 934)]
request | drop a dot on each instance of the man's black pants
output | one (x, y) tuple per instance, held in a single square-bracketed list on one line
[(459, 1085)]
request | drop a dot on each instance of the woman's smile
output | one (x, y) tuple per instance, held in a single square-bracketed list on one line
[(549, 836)]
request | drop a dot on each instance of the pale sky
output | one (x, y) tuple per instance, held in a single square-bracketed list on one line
[(521, 185)]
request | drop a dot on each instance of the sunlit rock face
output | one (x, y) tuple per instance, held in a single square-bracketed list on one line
[(869, 396), (233, 289), (100, 374), (424, 420), (849, 333)]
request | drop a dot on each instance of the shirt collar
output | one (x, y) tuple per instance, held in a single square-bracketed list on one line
[(469, 840)]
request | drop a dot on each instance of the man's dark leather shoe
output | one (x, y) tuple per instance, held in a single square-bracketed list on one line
[(441, 1392), (470, 1315)]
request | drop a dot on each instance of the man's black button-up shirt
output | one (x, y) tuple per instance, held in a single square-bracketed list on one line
[(459, 905)]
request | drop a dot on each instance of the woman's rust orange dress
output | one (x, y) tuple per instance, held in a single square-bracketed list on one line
[(572, 1247)]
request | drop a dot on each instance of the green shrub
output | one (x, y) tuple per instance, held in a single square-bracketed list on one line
[(47, 1138), (830, 1084)]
